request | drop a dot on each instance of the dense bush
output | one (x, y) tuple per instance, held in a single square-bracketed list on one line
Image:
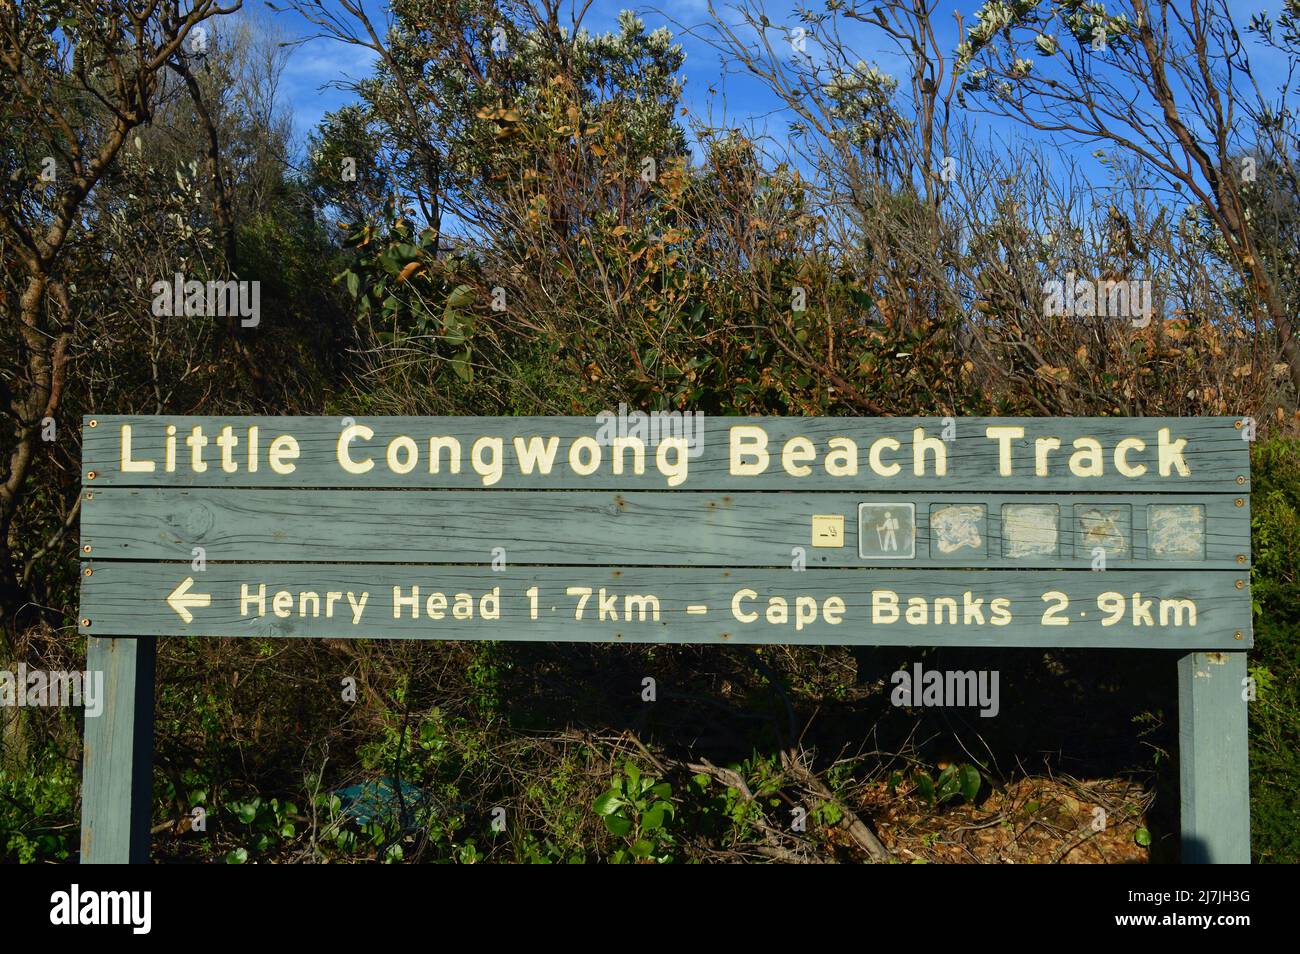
[(1275, 661)]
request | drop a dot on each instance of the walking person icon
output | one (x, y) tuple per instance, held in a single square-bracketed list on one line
[(888, 532)]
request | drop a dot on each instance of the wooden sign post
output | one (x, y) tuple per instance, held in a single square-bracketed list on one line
[(1079, 532)]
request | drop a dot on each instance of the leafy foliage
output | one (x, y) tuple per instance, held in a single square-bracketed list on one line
[(1275, 662), (638, 809)]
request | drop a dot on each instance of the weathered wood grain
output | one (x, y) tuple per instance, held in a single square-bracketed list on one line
[(1216, 455), (117, 766), (595, 527), (133, 598), (1212, 758)]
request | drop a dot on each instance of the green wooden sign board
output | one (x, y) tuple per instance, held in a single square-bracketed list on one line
[(1072, 532)]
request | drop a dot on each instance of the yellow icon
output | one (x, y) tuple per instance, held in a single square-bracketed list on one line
[(828, 530)]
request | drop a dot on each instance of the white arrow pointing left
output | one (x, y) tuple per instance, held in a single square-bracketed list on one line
[(182, 599)]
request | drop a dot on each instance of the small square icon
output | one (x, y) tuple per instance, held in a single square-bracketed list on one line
[(1176, 531), (1105, 527), (887, 531), (828, 530), (1030, 530), (958, 531)]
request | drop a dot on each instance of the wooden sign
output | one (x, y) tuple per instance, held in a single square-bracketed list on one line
[(1106, 532)]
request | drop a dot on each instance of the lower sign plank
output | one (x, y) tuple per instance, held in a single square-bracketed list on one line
[(1149, 609)]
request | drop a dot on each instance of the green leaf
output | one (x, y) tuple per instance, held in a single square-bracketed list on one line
[(970, 782), (653, 817), (642, 848), (1142, 837), (949, 785), (460, 364), (237, 857), (608, 803), (924, 786), (830, 813), (460, 297), (452, 328), (619, 825)]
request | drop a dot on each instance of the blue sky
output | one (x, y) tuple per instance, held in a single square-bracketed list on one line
[(726, 97), (320, 61)]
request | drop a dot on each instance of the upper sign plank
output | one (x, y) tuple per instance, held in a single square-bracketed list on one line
[(672, 452)]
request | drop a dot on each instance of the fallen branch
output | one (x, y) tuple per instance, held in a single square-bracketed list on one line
[(856, 828)]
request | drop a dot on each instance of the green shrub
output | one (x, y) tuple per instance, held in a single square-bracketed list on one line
[(1275, 660), (38, 812)]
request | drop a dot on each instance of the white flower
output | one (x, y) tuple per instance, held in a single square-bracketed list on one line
[(993, 17)]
